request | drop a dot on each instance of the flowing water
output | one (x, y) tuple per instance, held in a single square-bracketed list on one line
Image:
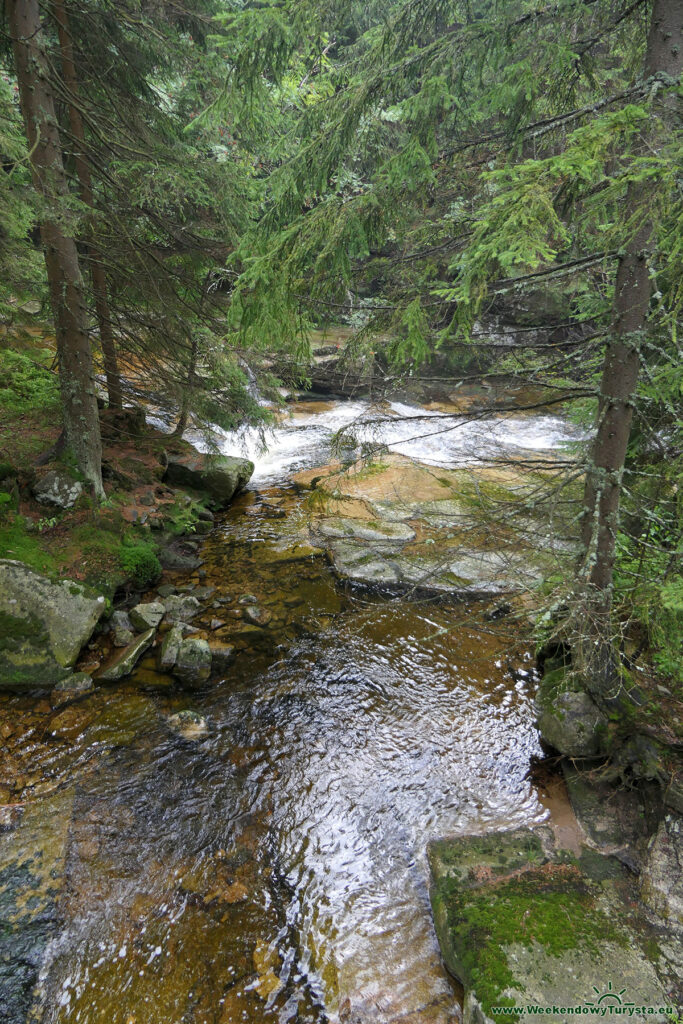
[(274, 869)]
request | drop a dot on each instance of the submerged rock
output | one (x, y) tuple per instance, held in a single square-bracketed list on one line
[(193, 663), (43, 626), (58, 488), (147, 616), (123, 663), (77, 685), (256, 615), (222, 656), (188, 724), (221, 476)]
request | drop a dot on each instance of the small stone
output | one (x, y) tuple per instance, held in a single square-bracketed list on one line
[(257, 616), (146, 499), (204, 593), (147, 616), (166, 590), (121, 620), (217, 623), (247, 599), (122, 637)]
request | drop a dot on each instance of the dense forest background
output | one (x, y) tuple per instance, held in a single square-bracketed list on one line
[(481, 190)]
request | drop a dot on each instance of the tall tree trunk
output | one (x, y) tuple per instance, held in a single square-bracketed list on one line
[(77, 382), (97, 274), (600, 519), (185, 401)]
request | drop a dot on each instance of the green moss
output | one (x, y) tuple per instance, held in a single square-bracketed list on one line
[(139, 561), (17, 543), (552, 908)]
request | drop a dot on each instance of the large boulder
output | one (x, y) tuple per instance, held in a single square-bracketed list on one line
[(525, 926), (568, 719), (43, 626), (58, 488), (221, 476)]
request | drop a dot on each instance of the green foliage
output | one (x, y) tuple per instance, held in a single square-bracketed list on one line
[(139, 561), (25, 385)]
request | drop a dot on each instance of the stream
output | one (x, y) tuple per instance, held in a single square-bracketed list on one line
[(274, 868)]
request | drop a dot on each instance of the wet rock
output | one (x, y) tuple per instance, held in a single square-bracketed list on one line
[(165, 590), (661, 883), (188, 724), (147, 616), (222, 656), (568, 719), (121, 620), (122, 637), (220, 476), (71, 723), (32, 860), (181, 607), (193, 664), (77, 685), (357, 529), (256, 615), (123, 663), (204, 593), (247, 599), (216, 623), (168, 652), (58, 488), (180, 557), (43, 626), (502, 903)]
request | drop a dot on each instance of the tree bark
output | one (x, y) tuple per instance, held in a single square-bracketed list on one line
[(97, 274), (77, 382), (600, 519)]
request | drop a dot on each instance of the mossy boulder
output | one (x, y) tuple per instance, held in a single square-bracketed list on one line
[(58, 488), (521, 924), (221, 476), (567, 717), (43, 626)]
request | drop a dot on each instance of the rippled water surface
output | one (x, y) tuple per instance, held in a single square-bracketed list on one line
[(274, 869)]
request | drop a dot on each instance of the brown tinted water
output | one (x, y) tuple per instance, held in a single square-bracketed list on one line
[(273, 869)]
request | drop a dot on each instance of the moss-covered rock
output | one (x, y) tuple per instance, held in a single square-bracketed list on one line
[(221, 476), (43, 626), (522, 927), (193, 664), (568, 718)]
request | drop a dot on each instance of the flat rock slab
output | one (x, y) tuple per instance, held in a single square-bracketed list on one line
[(523, 925), (123, 663)]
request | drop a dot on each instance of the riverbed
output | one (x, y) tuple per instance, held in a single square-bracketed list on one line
[(273, 868)]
